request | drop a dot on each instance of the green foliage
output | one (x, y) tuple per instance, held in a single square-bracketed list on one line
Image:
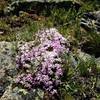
[(81, 77), (4, 26), (80, 81), (85, 67), (28, 32)]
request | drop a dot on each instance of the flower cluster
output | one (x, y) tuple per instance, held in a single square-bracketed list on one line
[(46, 57)]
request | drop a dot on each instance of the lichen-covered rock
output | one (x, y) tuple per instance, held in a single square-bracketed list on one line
[(9, 95), (84, 56), (7, 64), (8, 74), (7, 55), (21, 94)]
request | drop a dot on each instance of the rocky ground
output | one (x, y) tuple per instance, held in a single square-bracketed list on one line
[(77, 21), (8, 73)]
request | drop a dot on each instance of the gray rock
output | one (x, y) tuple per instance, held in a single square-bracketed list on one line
[(2, 73), (7, 64), (91, 21), (8, 73), (22, 94), (1, 90), (10, 95), (7, 55), (84, 56)]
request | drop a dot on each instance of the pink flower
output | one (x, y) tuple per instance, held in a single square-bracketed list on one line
[(45, 56)]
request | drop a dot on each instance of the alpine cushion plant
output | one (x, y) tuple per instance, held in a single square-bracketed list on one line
[(46, 57)]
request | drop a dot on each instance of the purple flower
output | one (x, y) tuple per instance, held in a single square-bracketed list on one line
[(46, 57)]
